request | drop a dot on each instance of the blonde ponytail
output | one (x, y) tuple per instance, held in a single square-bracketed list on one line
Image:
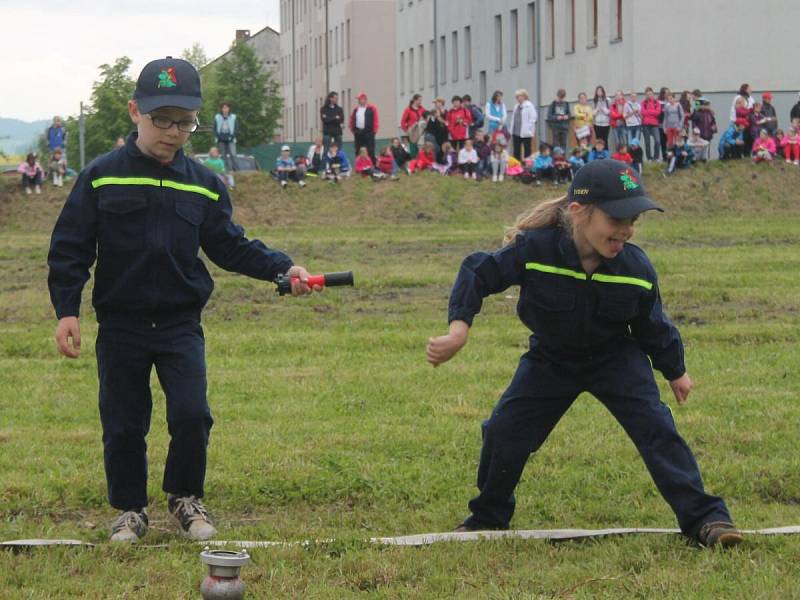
[(550, 213)]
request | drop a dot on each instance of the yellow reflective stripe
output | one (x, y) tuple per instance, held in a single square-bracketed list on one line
[(184, 187), (532, 266), (620, 279)]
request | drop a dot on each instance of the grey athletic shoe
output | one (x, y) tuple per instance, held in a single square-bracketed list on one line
[(719, 533), (191, 516), (129, 527)]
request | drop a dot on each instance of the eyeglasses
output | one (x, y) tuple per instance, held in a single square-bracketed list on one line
[(186, 126)]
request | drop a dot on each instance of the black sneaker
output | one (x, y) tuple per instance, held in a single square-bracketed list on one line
[(130, 526), (719, 533), (191, 516)]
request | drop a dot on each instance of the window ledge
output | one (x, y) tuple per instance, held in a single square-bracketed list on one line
[(591, 46), (568, 52), (616, 40)]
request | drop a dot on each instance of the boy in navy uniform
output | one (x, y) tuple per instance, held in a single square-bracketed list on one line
[(593, 303), (144, 211)]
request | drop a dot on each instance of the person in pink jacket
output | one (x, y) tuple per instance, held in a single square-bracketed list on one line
[(763, 148), (651, 124)]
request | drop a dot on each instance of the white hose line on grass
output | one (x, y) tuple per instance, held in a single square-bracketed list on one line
[(426, 539)]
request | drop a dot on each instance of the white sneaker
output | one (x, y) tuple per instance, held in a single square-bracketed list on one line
[(466, 175), (494, 178), (38, 189), (29, 191), (475, 176), (129, 527), (501, 177), (797, 162), (283, 184), (788, 162), (191, 516), (302, 183)]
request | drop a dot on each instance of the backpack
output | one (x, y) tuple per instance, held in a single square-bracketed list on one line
[(477, 116)]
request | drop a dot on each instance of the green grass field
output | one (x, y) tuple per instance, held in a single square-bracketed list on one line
[(330, 424)]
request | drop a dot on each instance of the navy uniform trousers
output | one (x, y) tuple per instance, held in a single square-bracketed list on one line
[(125, 359), (541, 392)]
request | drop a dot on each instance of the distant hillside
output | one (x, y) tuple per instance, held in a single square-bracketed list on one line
[(19, 136)]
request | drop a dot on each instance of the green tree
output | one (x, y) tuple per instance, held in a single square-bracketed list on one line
[(241, 79), (195, 55), (108, 117)]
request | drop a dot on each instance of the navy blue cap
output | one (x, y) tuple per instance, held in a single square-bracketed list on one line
[(613, 186), (168, 82)]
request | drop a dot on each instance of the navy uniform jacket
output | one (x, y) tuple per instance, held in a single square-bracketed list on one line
[(573, 314), (145, 223)]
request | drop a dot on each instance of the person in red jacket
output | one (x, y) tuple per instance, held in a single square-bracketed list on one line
[(458, 122), (651, 121), (364, 125), (424, 160), (622, 154), (618, 119), (412, 115)]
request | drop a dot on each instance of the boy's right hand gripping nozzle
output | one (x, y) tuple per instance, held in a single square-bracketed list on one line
[(284, 282)]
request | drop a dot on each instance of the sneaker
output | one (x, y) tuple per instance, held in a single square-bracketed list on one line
[(719, 533), (494, 178), (500, 178), (29, 192), (466, 175), (408, 171), (797, 162), (475, 176), (130, 526), (283, 184), (38, 188), (302, 183), (191, 516)]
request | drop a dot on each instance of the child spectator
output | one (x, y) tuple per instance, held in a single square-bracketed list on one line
[(316, 156), (599, 152), (287, 169), (791, 146), (558, 117), (779, 135), (769, 119), (763, 148), (387, 164), (602, 114), (633, 116), (401, 154), (458, 122), (585, 148), (58, 167), (364, 165), (637, 154), (499, 162), (618, 119), (563, 172), (217, 165), (704, 120), (32, 173), (335, 165), (673, 120), (412, 123), (576, 161), (484, 150), (436, 126), (543, 165), (476, 114), (680, 156), (468, 160), (584, 117), (622, 154), (699, 145), (651, 120), (497, 115), (445, 162), (515, 167), (425, 159), (731, 144)]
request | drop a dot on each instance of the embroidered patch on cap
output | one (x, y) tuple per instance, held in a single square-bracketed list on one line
[(628, 179), (167, 79)]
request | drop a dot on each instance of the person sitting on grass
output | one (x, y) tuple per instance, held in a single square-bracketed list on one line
[(498, 160), (58, 167), (468, 160), (563, 172), (763, 148), (543, 165), (335, 164), (637, 154), (679, 156), (315, 157), (402, 157), (622, 154), (217, 165), (426, 157), (599, 152), (791, 146), (699, 145), (592, 300), (286, 169), (576, 161), (32, 174), (364, 164), (446, 160), (484, 150), (731, 143), (386, 163), (779, 135)]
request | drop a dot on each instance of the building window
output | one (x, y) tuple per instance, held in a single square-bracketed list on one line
[(570, 21), (531, 32), (402, 73), (592, 23), (616, 22), (550, 33), (455, 55), (432, 58), (442, 59), (467, 52), (498, 42), (411, 70), (329, 49), (422, 67), (348, 38), (513, 39), (482, 91), (341, 41), (336, 45)]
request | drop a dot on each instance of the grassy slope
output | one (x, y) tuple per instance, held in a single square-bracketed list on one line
[(330, 424)]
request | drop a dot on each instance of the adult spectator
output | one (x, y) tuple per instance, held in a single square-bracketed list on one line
[(558, 118), (458, 121), (475, 113), (332, 117), (704, 120), (523, 125), (662, 100), (497, 115), (436, 131), (744, 93), (651, 119), (56, 135), (225, 130), (769, 118), (602, 114), (412, 123), (364, 125)]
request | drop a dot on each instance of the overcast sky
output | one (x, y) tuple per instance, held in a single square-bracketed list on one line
[(50, 50)]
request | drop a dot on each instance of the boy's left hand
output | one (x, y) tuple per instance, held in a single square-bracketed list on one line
[(681, 387), (299, 278)]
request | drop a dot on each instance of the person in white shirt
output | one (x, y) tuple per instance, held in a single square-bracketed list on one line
[(523, 125), (468, 160), (633, 117), (499, 162)]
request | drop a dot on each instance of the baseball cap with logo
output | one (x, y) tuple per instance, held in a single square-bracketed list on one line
[(613, 186), (168, 82)]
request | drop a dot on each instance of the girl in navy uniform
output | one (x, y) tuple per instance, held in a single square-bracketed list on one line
[(592, 300)]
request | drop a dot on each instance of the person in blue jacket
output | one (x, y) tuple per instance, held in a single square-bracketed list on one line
[(335, 164), (143, 212), (731, 143), (56, 135), (226, 128), (592, 300), (599, 151)]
